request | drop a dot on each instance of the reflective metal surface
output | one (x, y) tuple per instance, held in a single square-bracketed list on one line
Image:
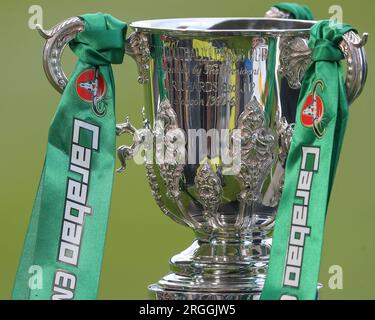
[(224, 26), (218, 82), (56, 40), (203, 77), (277, 22)]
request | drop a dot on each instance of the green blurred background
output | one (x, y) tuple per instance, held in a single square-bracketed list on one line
[(140, 239)]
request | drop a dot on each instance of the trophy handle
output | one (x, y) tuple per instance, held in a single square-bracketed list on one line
[(140, 136), (352, 47), (136, 46), (124, 152), (59, 36), (56, 40), (295, 57)]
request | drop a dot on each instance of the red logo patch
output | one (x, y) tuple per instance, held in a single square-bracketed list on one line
[(90, 86), (313, 109)]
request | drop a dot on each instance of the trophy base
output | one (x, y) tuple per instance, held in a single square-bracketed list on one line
[(160, 293), (216, 270)]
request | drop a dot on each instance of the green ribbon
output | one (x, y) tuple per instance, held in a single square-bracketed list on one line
[(64, 245), (310, 170)]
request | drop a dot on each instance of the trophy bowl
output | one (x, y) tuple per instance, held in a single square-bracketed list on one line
[(220, 103)]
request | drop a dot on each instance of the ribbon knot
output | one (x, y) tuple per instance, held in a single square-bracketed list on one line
[(326, 50), (325, 38), (102, 41)]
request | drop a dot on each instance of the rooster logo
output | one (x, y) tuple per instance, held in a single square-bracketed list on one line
[(91, 88), (313, 111)]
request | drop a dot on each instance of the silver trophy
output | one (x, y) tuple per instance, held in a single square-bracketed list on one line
[(224, 74)]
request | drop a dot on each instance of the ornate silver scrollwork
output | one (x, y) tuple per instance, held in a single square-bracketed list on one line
[(285, 133), (258, 150), (356, 71), (167, 129), (155, 191), (210, 191), (295, 57), (274, 191), (141, 137), (137, 46), (57, 38), (124, 152)]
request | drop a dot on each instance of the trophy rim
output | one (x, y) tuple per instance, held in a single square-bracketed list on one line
[(214, 26)]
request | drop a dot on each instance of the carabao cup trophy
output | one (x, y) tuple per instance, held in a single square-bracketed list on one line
[(202, 78)]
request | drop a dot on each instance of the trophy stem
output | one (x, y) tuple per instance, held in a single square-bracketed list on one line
[(220, 267)]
